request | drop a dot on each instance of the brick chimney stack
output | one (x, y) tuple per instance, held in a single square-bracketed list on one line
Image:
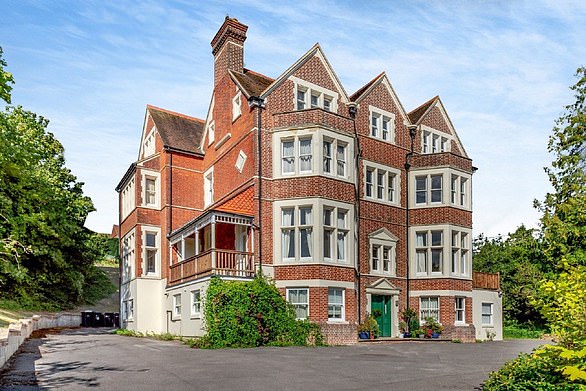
[(228, 48)]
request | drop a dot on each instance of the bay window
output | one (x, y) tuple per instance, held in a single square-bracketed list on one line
[(313, 230), (297, 151), (441, 251), (381, 183)]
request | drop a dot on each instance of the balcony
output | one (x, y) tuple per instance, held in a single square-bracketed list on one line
[(215, 243), (213, 262), (489, 281)]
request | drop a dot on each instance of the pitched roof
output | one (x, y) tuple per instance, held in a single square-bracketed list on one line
[(361, 91), (177, 130), (416, 114), (252, 83), (242, 203)]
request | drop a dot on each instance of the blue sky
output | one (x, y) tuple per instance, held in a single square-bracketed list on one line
[(502, 69)]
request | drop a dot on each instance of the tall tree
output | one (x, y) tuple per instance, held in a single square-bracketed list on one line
[(564, 209), (44, 252), (522, 265)]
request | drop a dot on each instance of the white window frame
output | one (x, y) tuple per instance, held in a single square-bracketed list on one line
[(208, 187), (149, 146), (434, 141), (318, 228), (129, 309), (342, 306), (297, 304), (490, 314), (240, 161), (380, 246), (460, 253), (309, 89), (447, 251), (236, 106), (128, 195), (460, 310), (151, 175), (459, 190), (177, 300), (434, 312), (335, 159), (195, 296), (157, 248), (318, 156), (128, 256), (447, 188), (387, 172), (377, 117), (334, 230)]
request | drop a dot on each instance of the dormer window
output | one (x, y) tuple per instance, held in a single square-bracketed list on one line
[(309, 95)]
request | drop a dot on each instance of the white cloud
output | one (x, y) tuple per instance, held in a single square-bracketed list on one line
[(502, 70)]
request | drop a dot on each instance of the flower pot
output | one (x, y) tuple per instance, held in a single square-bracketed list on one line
[(435, 335), (407, 335), (363, 335)]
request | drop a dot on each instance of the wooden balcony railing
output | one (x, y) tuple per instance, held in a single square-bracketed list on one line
[(486, 281), (219, 262)]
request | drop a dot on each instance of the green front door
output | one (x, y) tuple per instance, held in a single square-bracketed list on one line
[(381, 310)]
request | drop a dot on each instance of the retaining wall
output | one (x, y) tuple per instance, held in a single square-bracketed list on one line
[(12, 337)]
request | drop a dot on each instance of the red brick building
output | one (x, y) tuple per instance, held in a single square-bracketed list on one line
[(349, 202)]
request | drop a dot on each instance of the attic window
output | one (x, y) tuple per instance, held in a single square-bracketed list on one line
[(308, 95), (211, 132), (149, 144), (434, 141), (236, 106)]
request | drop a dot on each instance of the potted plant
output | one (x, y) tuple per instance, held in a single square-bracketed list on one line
[(369, 328), (411, 319), (403, 328), (432, 328)]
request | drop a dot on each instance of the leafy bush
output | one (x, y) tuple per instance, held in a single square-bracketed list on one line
[(545, 369), (513, 330), (247, 314)]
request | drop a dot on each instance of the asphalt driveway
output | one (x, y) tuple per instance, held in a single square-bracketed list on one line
[(93, 358)]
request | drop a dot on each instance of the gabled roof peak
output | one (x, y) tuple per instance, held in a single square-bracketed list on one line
[(418, 113)]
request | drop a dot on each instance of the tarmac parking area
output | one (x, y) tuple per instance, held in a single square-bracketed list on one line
[(95, 358)]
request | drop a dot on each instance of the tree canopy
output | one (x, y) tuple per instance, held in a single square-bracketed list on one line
[(44, 252)]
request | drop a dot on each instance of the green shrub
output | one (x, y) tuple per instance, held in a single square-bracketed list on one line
[(515, 331), (247, 314), (544, 369)]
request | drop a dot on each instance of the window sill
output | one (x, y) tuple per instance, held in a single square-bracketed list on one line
[(487, 326), (337, 321), (381, 139), (196, 316), (379, 201)]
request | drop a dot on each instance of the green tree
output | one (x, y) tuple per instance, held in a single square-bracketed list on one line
[(564, 209), (522, 265), (6, 81), (45, 255)]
